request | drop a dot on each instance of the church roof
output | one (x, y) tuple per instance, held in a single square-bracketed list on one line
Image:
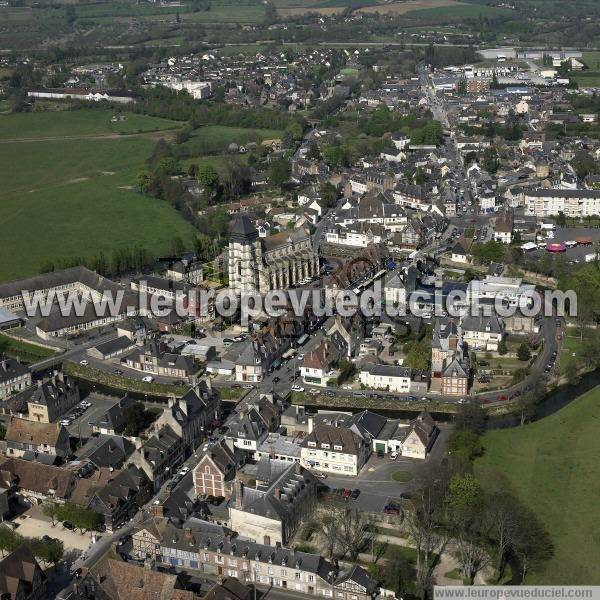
[(241, 229)]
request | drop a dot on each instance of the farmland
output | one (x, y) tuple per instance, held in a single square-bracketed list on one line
[(70, 196), (553, 467)]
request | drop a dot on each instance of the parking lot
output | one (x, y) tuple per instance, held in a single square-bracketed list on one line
[(34, 523), (99, 405)]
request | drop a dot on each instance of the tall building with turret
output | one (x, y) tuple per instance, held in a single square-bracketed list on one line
[(275, 262)]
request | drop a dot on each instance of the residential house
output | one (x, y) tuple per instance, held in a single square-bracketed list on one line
[(14, 377), (121, 497), (152, 359), (215, 472), (21, 577), (333, 449), (53, 398), (386, 377), (417, 439), (24, 436), (224, 555), (481, 332), (193, 416), (272, 512), (36, 481), (160, 455)]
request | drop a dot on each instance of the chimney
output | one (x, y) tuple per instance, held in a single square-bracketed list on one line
[(157, 510), (278, 493), (238, 488), (452, 342)]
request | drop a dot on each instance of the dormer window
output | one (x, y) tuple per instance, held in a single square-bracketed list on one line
[(312, 444), (337, 447), (325, 446)]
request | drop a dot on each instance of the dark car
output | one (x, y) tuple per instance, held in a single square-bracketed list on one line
[(276, 379), (68, 525), (391, 509), (355, 494), (118, 372)]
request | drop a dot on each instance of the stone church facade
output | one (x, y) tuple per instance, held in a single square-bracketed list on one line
[(275, 262)]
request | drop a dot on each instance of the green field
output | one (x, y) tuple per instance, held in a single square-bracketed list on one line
[(65, 198), (587, 78), (85, 122), (215, 139), (553, 465)]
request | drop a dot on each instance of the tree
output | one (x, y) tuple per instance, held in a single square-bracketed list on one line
[(279, 172), (329, 194), (142, 182), (425, 523), (136, 418), (208, 176), (79, 516), (491, 160), (355, 533), (52, 510), (523, 352), (9, 539), (502, 347), (470, 416), (466, 442), (531, 543), (329, 521)]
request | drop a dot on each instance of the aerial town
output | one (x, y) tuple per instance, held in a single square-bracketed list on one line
[(298, 299)]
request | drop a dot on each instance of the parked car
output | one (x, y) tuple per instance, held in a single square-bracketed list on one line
[(84, 363), (148, 379), (68, 525), (393, 455), (297, 388), (355, 494)]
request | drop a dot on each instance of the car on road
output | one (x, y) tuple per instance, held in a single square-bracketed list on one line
[(346, 493), (320, 475), (68, 525), (276, 379), (391, 509), (84, 363), (297, 388), (148, 379), (355, 494), (393, 455), (118, 372), (248, 386), (65, 422), (184, 470)]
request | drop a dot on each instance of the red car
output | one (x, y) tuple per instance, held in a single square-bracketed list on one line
[(347, 493), (502, 398)]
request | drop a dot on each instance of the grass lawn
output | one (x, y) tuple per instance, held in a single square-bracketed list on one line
[(70, 123), (553, 465), (26, 353), (402, 476), (591, 59), (73, 198), (572, 348), (215, 139), (587, 78)]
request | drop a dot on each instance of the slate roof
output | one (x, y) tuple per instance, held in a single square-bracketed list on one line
[(17, 573), (11, 369), (334, 436)]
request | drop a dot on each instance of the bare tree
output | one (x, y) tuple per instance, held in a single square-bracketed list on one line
[(330, 522), (425, 524), (356, 532), (472, 555)]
